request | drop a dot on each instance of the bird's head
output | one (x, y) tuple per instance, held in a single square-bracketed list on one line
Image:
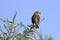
[(37, 13)]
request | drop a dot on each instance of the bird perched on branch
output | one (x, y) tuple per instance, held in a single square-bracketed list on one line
[(36, 19)]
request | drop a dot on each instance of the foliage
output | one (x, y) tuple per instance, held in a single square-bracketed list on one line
[(12, 33)]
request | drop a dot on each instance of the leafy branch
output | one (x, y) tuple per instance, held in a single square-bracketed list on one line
[(13, 34)]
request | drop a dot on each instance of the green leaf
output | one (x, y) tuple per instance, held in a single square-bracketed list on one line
[(5, 21), (39, 34), (50, 38), (1, 38), (6, 27), (14, 18), (42, 20)]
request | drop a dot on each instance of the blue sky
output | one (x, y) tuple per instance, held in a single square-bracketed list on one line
[(50, 10)]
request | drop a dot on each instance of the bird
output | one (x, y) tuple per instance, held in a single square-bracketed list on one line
[(36, 19)]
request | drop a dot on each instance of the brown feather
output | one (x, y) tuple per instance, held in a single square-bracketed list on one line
[(36, 19)]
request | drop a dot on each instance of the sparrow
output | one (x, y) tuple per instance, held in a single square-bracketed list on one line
[(36, 19)]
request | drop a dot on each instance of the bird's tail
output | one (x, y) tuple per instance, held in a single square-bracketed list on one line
[(37, 26)]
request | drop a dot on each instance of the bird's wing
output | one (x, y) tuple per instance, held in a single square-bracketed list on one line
[(33, 19)]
